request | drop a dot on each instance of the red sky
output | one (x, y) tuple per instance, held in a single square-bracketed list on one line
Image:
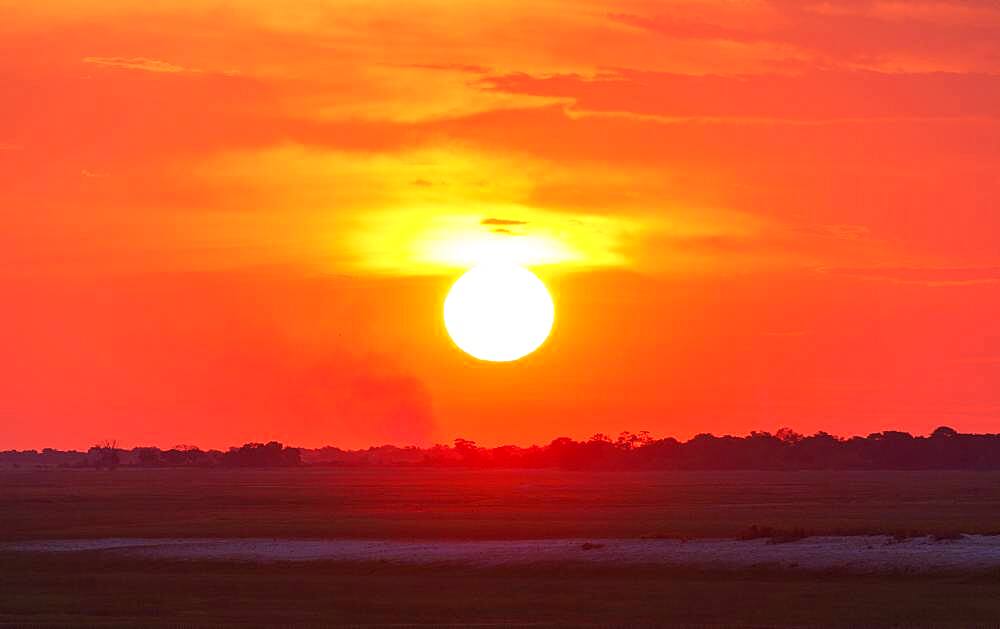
[(223, 222)]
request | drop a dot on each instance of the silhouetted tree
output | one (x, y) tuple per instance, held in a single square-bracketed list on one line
[(629, 441), (944, 432), (272, 454), (148, 457), (105, 454)]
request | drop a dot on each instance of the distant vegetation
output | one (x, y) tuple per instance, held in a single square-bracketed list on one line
[(945, 448), (107, 455)]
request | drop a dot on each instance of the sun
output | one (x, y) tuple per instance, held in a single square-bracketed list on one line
[(498, 312)]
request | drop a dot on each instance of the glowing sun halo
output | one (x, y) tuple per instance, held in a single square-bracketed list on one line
[(498, 312)]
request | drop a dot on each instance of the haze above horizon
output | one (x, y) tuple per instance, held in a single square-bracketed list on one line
[(239, 222)]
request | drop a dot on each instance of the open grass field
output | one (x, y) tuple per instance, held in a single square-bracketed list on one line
[(82, 589), (402, 504), (405, 503)]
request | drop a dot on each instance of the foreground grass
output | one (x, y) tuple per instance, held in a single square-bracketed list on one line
[(91, 590), (490, 504)]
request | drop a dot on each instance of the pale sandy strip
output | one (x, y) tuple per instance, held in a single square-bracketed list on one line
[(856, 554)]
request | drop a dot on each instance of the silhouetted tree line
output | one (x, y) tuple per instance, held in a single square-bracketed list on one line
[(107, 455), (944, 449)]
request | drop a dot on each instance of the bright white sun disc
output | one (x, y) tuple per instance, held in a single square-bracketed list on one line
[(498, 312)]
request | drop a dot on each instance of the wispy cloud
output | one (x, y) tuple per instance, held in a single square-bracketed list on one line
[(844, 232), (818, 96), (502, 221), (138, 63), (883, 35), (934, 276)]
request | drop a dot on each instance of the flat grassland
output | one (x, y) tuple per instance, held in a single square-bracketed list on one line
[(420, 503), (404, 503)]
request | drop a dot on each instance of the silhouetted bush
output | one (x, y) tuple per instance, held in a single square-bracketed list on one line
[(271, 454)]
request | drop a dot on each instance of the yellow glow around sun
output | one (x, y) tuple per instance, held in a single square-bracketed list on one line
[(498, 312), (432, 212), (433, 240)]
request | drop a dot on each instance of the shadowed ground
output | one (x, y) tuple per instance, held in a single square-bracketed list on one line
[(397, 505), (403, 503), (59, 590)]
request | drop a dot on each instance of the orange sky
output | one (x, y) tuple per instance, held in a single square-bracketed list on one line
[(237, 221)]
